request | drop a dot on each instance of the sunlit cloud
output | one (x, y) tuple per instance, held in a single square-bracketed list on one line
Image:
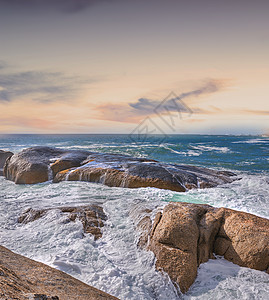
[(256, 112), (133, 112)]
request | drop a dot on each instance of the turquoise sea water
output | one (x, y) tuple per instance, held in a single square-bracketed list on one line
[(114, 263)]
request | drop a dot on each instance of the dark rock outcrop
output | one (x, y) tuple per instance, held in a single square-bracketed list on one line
[(186, 235), (92, 217), (124, 171), (22, 278), (34, 165), (4, 155)]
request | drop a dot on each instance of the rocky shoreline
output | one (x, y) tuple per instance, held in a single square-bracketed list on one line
[(182, 236)]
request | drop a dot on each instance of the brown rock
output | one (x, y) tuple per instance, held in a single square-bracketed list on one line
[(244, 239), (68, 160), (174, 239), (4, 155), (117, 178), (144, 226), (92, 217), (186, 234), (32, 165), (22, 278)]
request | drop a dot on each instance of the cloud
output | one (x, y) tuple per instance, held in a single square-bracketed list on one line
[(174, 103), (26, 122), (133, 112), (39, 86), (256, 112), (67, 6)]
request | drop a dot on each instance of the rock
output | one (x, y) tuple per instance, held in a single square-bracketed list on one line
[(68, 160), (144, 225), (23, 278), (92, 217), (186, 235), (244, 239), (141, 218), (31, 215), (34, 165), (42, 297), (117, 178), (4, 155), (124, 171)]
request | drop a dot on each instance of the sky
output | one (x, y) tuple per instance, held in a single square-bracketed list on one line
[(100, 66)]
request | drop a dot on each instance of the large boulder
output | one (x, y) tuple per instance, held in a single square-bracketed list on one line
[(39, 164), (185, 235), (23, 278), (92, 217), (4, 155)]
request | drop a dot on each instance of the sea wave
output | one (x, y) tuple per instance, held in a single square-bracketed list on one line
[(184, 153), (252, 141)]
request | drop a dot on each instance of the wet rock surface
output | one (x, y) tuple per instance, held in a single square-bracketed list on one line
[(185, 235), (22, 278), (4, 155), (92, 217), (33, 165), (39, 164), (124, 171)]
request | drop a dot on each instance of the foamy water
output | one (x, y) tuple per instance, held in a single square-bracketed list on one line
[(114, 263)]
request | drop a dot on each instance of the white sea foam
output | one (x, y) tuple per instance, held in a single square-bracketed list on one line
[(253, 141), (219, 279), (193, 153), (184, 153), (114, 263), (249, 194), (211, 148)]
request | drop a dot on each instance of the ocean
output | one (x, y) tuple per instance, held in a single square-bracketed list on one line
[(114, 263)]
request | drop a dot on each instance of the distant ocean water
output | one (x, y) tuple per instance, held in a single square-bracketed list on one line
[(114, 263)]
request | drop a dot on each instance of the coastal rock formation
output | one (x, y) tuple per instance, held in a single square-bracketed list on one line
[(185, 235), (92, 217), (124, 171), (35, 165), (23, 278), (4, 155)]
